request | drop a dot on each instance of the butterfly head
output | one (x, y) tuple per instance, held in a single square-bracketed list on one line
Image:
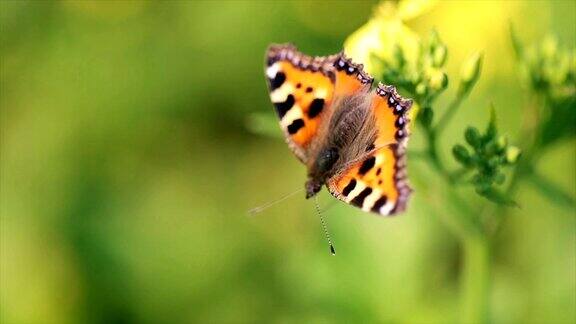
[(313, 186), (321, 170)]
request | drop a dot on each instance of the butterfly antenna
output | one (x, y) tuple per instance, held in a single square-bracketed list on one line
[(259, 209), (324, 227)]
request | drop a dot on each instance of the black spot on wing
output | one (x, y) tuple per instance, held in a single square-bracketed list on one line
[(295, 126), (379, 203), (359, 200), (315, 107), (277, 81), (349, 187), (367, 165), (283, 107)]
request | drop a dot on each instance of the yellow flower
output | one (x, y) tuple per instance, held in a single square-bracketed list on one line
[(409, 9), (386, 32), (379, 43)]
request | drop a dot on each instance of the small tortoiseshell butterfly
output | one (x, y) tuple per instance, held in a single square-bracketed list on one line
[(350, 138)]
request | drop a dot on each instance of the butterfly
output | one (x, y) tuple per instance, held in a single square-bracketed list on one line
[(352, 138)]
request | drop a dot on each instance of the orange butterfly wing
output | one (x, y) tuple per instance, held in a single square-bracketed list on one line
[(377, 183), (301, 88), (350, 77)]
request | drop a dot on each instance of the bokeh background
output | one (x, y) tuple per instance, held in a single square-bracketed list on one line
[(128, 165)]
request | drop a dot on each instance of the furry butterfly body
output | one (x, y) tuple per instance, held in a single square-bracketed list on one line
[(352, 138)]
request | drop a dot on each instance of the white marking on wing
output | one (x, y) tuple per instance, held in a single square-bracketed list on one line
[(272, 70), (291, 115), (321, 93), (280, 94), (387, 208), (380, 159), (371, 199), (359, 187)]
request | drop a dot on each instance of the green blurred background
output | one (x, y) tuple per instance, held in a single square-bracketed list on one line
[(127, 168)]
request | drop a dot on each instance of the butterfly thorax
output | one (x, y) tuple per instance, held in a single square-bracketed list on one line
[(349, 136)]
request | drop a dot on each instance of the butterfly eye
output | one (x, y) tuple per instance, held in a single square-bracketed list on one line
[(327, 159)]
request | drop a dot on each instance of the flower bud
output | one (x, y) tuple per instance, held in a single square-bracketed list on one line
[(473, 137), (438, 80), (493, 163), (439, 55), (491, 148), (434, 39), (470, 71), (512, 154), (421, 89), (462, 155), (501, 143)]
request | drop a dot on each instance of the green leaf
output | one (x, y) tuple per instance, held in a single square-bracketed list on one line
[(496, 196), (434, 39), (516, 43), (491, 131), (399, 56)]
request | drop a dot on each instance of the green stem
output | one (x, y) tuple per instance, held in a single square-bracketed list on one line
[(434, 156), (452, 108), (552, 191), (457, 175), (433, 151), (475, 281), (460, 220)]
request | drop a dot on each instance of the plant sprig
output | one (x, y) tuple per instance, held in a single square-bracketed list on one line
[(425, 80)]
